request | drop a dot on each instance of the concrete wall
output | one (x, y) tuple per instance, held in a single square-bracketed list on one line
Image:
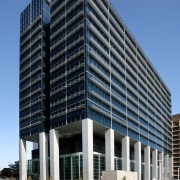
[(118, 175)]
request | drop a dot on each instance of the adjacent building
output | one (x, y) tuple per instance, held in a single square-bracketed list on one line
[(176, 145), (105, 107)]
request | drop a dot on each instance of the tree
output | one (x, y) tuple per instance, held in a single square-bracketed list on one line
[(6, 172), (14, 169)]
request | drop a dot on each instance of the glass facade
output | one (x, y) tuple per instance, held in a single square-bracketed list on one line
[(71, 166), (124, 91), (78, 60), (34, 69), (33, 168), (67, 62), (99, 71)]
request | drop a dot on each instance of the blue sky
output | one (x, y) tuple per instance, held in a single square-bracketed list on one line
[(154, 23)]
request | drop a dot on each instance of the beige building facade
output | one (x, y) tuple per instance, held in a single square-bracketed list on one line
[(176, 145)]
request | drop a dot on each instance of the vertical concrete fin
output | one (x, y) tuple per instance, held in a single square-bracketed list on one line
[(43, 154), (166, 166), (54, 154), (161, 166), (125, 154), (22, 160), (87, 145), (109, 149), (137, 155), (147, 163), (155, 164)]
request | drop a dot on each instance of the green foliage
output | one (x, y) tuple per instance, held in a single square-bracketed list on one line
[(11, 178), (80, 178), (124, 178), (6, 172), (14, 169), (51, 178)]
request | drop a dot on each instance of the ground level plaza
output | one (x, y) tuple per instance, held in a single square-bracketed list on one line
[(118, 152)]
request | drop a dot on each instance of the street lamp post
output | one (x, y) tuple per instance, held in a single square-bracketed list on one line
[(178, 172)]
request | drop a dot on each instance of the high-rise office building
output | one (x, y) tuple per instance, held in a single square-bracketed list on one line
[(34, 69), (176, 145), (34, 99), (109, 108)]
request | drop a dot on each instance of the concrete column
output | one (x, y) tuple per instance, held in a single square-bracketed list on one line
[(43, 154), (161, 166), (137, 154), (54, 154), (166, 166), (109, 141), (155, 164), (171, 167), (87, 146), (147, 163), (125, 154), (22, 160)]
